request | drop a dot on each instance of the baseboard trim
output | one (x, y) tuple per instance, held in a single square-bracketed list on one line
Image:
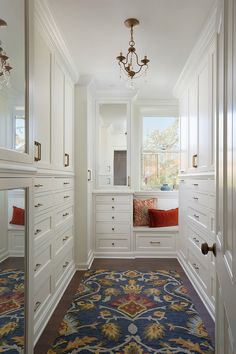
[(86, 265), (124, 255), (4, 255), (196, 286), (51, 306)]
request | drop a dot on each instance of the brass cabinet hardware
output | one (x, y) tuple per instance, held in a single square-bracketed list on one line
[(129, 181), (37, 231), (67, 160), (113, 229), (38, 152), (65, 265), (37, 266), (38, 205), (65, 238), (89, 175), (195, 184), (194, 161), (157, 242), (66, 214), (36, 306), (195, 198), (113, 218), (196, 216), (113, 244), (113, 199), (66, 196), (205, 248), (66, 183), (38, 185), (113, 207)]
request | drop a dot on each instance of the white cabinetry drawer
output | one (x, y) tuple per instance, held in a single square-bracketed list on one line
[(114, 207), (120, 243), (62, 265), (43, 256), (199, 199), (42, 294), (43, 184), (200, 269), (43, 202), (62, 215), (64, 197), (114, 199), (107, 216), (195, 238), (64, 183), (198, 217), (112, 228), (157, 243), (62, 239), (43, 227)]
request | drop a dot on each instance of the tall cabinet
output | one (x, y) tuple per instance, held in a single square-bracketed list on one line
[(196, 91)]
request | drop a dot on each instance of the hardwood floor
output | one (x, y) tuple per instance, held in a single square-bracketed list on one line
[(50, 332), (13, 263)]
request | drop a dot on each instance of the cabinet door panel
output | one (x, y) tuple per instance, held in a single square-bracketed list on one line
[(203, 118), (69, 116), (42, 98), (183, 133), (193, 124), (58, 117)]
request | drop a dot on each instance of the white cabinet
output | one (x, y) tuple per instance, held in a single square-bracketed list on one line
[(192, 124), (184, 133), (69, 125), (42, 100), (58, 117)]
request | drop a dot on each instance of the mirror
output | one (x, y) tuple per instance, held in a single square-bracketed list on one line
[(112, 141), (12, 75), (12, 270)]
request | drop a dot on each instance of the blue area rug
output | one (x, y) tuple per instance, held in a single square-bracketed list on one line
[(132, 312), (11, 311)]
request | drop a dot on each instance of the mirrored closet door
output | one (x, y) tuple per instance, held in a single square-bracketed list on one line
[(14, 75)]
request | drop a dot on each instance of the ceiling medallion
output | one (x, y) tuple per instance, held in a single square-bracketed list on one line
[(130, 64), (5, 68)]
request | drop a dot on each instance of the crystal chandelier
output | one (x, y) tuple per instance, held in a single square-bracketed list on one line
[(130, 64), (5, 68)]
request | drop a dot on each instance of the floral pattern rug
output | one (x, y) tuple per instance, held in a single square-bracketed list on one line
[(11, 311), (132, 312)]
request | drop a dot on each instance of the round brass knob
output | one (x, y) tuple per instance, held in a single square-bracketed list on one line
[(205, 248)]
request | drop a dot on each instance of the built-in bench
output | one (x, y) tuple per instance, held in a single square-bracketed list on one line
[(158, 241)]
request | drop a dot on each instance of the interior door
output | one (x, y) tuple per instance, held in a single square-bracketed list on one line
[(226, 181)]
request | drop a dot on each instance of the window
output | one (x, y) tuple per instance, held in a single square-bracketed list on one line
[(19, 133), (160, 152)]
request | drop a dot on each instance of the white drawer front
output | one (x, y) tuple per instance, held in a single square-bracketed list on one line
[(62, 265), (43, 227), (198, 185), (195, 238), (212, 202), (64, 197), (200, 269), (62, 215), (42, 294), (43, 184), (114, 207), (198, 217), (42, 258), (114, 199), (64, 183), (198, 199), (104, 244), (157, 243), (62, 239), (43, 202), (107, 216), (112, 228)]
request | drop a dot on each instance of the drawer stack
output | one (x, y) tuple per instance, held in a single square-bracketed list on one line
[(53, 243), (199, 220), (113, 214)]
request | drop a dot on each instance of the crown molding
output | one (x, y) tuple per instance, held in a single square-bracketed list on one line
[(206, 38), (45, 18)]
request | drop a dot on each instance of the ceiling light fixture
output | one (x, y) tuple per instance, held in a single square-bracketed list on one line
[(130, 64), (5, 68)]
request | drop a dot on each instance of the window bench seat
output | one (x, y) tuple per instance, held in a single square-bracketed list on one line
[(155, 242)]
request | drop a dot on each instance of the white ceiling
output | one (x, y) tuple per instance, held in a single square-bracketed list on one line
[(94, 33)]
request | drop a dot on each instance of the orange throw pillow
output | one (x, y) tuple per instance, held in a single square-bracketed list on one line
[(141, 217), (162, 218), (18, 216)]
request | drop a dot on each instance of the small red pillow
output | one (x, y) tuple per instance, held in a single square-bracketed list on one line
[(18, 216), (162, 218), (141, 207)]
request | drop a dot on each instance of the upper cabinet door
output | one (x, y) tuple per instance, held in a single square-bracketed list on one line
[(15, 72), (58, 117), (42, 101), (69, 125), (184, 133), (193, 127)]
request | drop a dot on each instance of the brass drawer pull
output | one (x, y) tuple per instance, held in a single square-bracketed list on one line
[(113, 244), (36, 306), (196, 216), (38, 185), (155, 242), (66, 183), (37, 231), (38, 148), (113, 207), (65, 238), (113, 229), (66, 214), (65, 265), (38, 205), (67, 160), (113, 218), (195, 184), (66, 196), (37, 266), (195, 198), (113, 199)]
